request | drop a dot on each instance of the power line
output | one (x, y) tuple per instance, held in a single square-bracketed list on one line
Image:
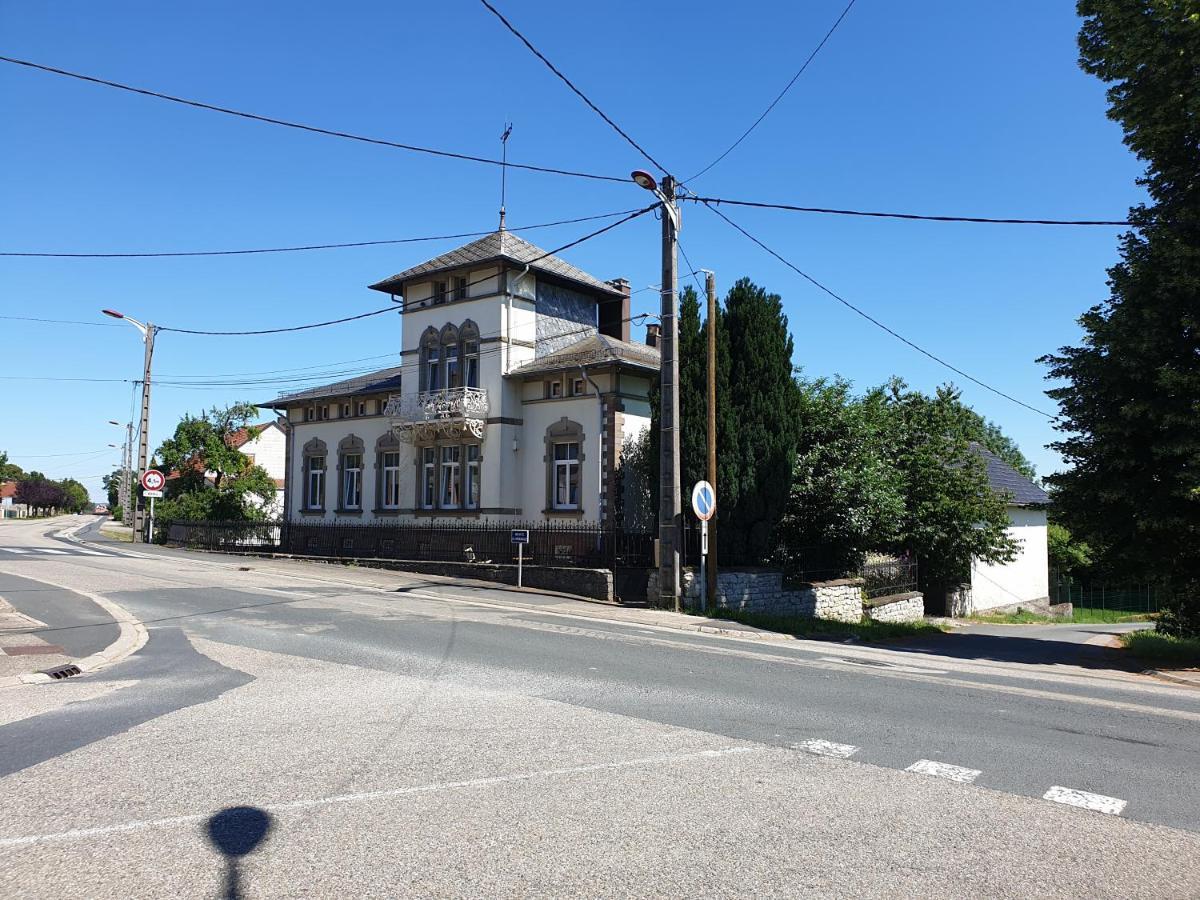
[(716, 201), (61, 321), (567, 81), (413, 240), (876, 322), (365, 315), (787, 87), (302, 127)]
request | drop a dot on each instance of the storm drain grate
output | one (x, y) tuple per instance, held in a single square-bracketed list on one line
[(63, 671)]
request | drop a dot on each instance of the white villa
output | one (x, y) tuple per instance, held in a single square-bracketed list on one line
[(516, 389)]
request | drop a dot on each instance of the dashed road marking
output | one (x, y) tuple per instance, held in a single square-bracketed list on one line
[(944, 770), (827, 748), (1085, 800), (14, 549), (50, 550)]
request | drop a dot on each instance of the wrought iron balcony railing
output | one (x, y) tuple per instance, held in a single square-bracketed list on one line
[(429, 415)]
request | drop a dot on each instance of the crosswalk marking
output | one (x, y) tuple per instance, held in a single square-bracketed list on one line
[(1085, 800), (83, 552), (944, 770), (73, 551), (50, 550), (14, 549), (827, 748)]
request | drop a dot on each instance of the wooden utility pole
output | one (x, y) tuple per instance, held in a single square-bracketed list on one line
[(710, 587), (670, 513)]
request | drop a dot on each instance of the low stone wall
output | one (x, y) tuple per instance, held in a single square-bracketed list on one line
[(762, 592), (907, 607)]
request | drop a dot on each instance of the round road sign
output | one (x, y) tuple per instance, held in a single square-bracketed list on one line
[(704, 501), (153, 480)]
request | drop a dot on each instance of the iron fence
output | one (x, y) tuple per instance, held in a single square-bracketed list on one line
[(570, 544), (1090, 595)]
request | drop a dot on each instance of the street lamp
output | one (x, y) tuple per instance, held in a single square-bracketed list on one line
[(147, 330), (125, 490), (670, 507)]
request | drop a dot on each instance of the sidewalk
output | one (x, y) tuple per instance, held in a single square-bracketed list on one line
[(22, 653)]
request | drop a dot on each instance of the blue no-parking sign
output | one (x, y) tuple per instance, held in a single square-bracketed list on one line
[(704, 501)]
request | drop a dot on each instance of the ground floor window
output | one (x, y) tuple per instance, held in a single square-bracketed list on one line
[(471, 486), (566, 475), (450, 495), (315, 480), (391, 480), (428, 475), (352, 481)]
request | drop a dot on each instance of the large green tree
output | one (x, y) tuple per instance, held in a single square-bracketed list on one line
[(215, 480), (764, 398), (1130, 405), (75, 496), (847, 496), (9, 471)]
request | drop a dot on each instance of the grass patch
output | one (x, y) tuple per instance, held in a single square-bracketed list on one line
[(866, 630), (126, 536), (1082, 616), (1162, 649)]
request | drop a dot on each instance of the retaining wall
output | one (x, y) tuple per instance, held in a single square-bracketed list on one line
[(762, 592)]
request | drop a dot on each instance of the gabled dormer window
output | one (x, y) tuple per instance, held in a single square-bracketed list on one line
[(460, 287), (439, 292)]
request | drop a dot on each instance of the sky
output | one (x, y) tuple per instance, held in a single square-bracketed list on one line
[(932, 106)]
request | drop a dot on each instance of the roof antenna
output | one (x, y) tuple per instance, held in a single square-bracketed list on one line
[(504, 167)]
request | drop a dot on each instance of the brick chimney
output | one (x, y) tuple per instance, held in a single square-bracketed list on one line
[(614, 312), (652, 332)]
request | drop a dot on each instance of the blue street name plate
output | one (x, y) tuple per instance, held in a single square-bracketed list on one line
[(520, 535)]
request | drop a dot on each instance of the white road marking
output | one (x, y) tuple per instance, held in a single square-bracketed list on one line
[(83, 552), (14, 549), (646, 762), (49, 550), (1084, 800), (827, 748), (944, 770)]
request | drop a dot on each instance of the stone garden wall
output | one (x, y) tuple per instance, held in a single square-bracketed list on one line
[(762, 592)]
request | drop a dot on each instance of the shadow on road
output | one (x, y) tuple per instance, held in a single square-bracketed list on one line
[(1067, 648), (237, 831)]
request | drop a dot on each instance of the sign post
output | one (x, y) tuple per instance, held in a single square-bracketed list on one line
[(152, 487), (704, 505), (520, 537)]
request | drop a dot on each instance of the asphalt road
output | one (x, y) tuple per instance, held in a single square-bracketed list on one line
[(404, 735)]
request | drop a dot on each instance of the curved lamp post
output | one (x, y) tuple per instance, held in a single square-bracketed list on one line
[(147, 330)]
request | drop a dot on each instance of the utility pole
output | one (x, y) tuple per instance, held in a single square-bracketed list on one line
[(710, 587), (669, 505), (127, 479), (144, 438)]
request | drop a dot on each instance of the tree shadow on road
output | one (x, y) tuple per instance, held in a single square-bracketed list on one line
[(1045, 650), (235, 832)]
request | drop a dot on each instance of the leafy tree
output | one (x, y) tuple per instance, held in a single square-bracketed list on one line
[(764, 398), (1066, 554), (9, 471), (1130, 407), (112, 487), (215, 480), (951, 514), (847, 495), (75, 496), (39, 493), (636, 509)]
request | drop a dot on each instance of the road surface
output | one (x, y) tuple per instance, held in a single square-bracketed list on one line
[(302, 729)]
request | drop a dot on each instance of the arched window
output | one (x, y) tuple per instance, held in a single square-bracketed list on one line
[(314, 476), (350, 474), (450, 353), (431, 360), (469, 344)]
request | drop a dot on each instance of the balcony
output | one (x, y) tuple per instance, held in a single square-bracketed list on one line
[(434, 415)]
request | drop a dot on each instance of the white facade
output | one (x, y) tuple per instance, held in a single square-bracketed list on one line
[(512, 399), (1024, 580), (268, 449)]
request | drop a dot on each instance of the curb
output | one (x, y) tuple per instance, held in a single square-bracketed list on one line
[(132, 637), (1174, 677)]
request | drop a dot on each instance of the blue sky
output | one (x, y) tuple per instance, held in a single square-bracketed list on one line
[(935, 106)]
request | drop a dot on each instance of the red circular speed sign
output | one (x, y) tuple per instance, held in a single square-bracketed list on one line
[(153, 480)]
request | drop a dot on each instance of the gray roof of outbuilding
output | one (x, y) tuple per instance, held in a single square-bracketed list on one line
[(370, 383), (500, 245), (1004, 479), (594, 350)]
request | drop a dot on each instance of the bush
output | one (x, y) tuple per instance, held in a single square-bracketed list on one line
[(1179, 616), (1163, 649)]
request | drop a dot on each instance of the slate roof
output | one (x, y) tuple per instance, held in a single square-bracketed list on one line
[(371, 383), (1004, 479), (594, 350), (497, 246)]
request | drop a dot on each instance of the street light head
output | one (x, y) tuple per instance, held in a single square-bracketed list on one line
[(113, 313), (112, 445), (113, 422), (644, 179)]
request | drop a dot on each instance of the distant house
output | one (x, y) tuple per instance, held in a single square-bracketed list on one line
[(9, 507), (1025, 581)]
